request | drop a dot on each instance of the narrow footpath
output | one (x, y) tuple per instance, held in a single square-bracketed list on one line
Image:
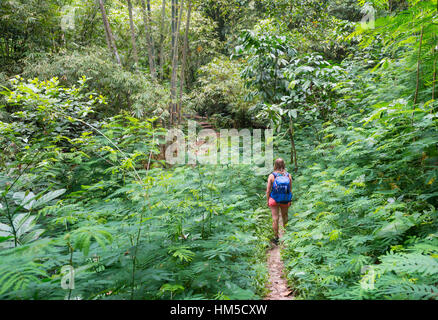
[(278, 288)]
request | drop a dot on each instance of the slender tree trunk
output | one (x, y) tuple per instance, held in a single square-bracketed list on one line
[(149, 40), (183, 61), (163, 16), (131, 26), (434, 79), (418, 68), (172, 45), (172, 28), (174, 67), (293, 151), (417, 87), (7, 48), (176, 14), (174, 25), (149, 17), (109, 35), (435, 51)]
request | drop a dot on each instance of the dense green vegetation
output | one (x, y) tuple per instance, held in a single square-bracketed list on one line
[(89, 89)]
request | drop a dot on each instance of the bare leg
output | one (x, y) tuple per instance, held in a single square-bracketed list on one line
[(275, 217), (284, 215)]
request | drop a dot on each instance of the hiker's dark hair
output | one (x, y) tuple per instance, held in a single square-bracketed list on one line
[(279, 165)]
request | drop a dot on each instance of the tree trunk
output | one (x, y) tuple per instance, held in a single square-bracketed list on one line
[(172, 28), (183, 61), (174, 25), (172, 45), (418, 68), (149, 40), (108, 33), (163, 16), (293, 151), (435, 51), (7, 48), (149, 15), (107, 37), (434, 79), (174, 67), (131, 26)]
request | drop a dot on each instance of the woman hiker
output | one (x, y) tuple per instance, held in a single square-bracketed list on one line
[(279, 195)]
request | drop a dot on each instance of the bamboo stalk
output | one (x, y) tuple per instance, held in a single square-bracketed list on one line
[(183, 62), (149, 42), (174, 67), (163, 15), (132, 28)]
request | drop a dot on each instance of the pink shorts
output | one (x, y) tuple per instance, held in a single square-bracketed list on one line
[(273, 203)]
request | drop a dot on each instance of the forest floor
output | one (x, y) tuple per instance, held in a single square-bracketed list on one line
[(278, 288)]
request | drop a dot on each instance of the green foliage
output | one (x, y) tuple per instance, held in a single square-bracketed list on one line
[(19, 277), (123, 90), (364, 225), (84, 185), (195, 244), (230, 15), (23, 29), (81, 238), (220, 92), (311, 83), (285, 82), (314, 25), (266, 53), (128, 232)]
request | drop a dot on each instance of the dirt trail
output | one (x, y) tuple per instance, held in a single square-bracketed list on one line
[(278, 289)]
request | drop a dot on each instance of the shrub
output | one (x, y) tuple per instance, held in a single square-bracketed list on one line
[(220, 91), (124, 90)]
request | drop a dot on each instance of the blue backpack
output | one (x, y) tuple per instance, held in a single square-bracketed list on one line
[(281, 191)]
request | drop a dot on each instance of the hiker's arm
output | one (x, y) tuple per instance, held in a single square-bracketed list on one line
[(268, 188), (290, 178)]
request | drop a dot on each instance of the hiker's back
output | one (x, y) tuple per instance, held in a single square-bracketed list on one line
[(281, 189)]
